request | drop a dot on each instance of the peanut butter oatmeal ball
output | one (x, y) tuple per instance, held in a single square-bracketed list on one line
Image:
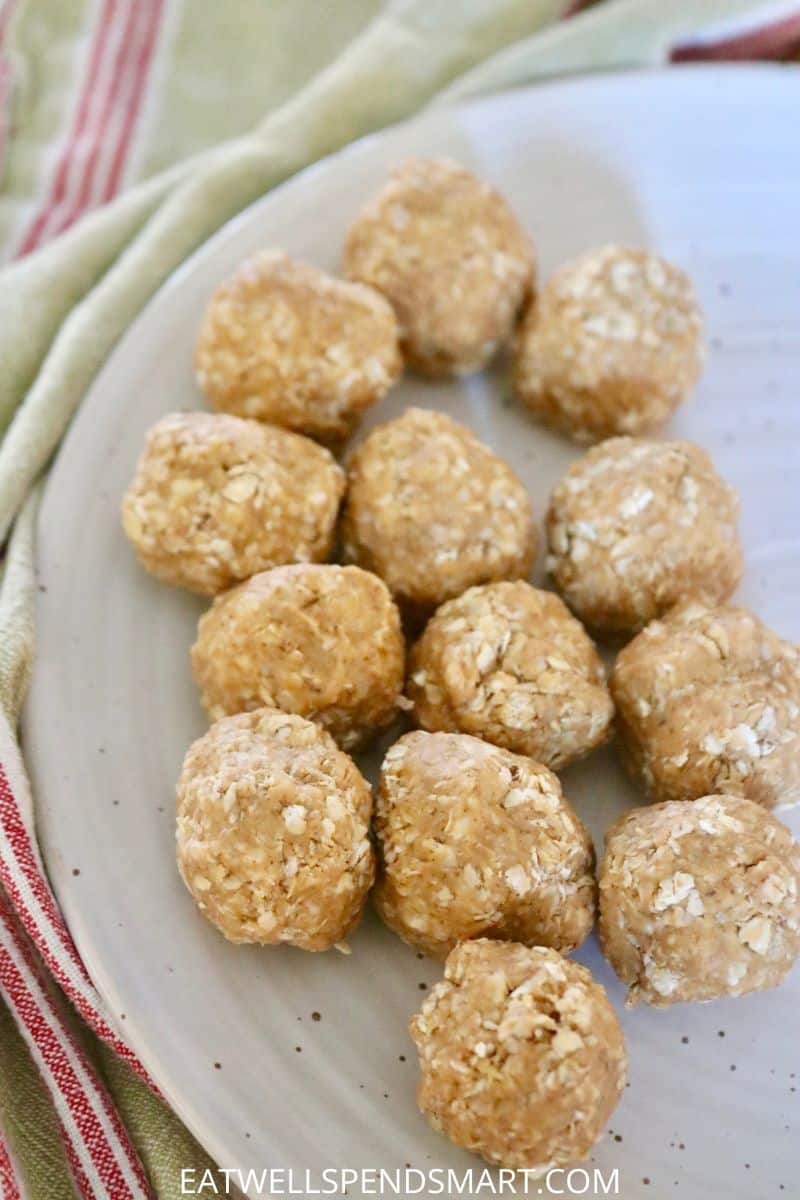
[(272, 833), (474, 840), (284, 342), (699, 899), (636, 526), (432, 510), (708, 700), (448, 252), (321, 641), (612, 345), (522, 1058), (509, 663), (215, 499)]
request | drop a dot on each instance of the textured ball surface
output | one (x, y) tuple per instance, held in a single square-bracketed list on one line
[(321, 641), (510, 664), (636, 526), (448, 252), (216, 499), (474, 840), (612, 345), (522, 1058), (699, 899), (273, 831), (708, 700), (283, 342), (433, 511)]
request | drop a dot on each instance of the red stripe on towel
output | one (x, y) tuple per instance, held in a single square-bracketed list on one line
[(101, 1155), (22, 876), (58, 189)]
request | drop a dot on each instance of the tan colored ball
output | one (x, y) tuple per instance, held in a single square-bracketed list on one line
[(447, 251), (612, 345), (321, 641), (636, 526), (433, 511), (273, 831), (708, 700), (216, 499), (522, 1058), (283, 342), (510, 664), (699, 899), (474, 840)]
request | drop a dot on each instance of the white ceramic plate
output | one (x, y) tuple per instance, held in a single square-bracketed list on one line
[(703, 165)]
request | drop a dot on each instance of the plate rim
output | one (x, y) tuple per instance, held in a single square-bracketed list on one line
[(58, 873)]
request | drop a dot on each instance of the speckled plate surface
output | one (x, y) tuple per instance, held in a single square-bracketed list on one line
[(702, 165)]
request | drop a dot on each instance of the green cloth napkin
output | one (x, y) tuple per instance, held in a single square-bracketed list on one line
[(304, 77)]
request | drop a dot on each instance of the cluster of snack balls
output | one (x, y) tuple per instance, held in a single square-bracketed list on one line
[(470, 849)]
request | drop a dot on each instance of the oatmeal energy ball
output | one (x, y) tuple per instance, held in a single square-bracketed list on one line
[(448, 252), (508, 663), (475, 840), (612, 345), (215, 499), (699, 899), (432, 510), (708, 700), (272, 834), (521, 1056), (321, 641), (635, 526), (286, 343)]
